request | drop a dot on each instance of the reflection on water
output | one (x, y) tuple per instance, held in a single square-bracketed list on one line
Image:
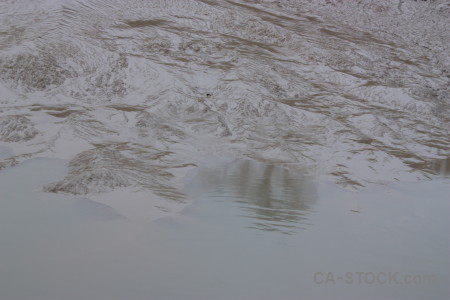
[(441, 166), (276, 198)]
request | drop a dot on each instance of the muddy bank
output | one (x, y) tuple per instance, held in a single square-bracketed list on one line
[(136, 93)]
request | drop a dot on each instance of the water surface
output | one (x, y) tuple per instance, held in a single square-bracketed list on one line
[(233, 242)]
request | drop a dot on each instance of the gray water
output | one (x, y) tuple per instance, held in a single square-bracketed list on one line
[(232, 242)]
